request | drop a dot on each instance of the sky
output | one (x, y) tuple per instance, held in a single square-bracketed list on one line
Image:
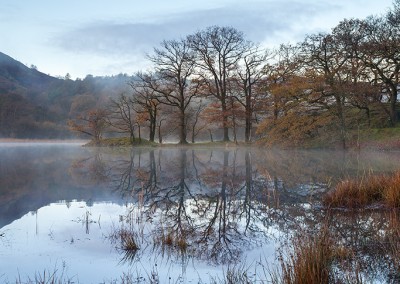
[(104, 38)]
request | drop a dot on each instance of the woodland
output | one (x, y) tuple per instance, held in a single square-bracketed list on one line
[(215, 84)]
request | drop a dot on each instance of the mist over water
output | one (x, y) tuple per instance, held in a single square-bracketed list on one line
[(60, 202)]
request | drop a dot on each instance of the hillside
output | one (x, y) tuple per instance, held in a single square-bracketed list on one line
[(36, 105), (18, 74)]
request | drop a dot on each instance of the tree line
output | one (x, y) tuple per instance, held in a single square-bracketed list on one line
[(322, 87)]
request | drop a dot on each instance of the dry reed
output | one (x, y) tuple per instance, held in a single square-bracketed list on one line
[(369, 190)]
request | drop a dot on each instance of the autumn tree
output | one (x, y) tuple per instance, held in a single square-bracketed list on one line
[(324, 59), (359, 83), (92, 123), (218, 51)]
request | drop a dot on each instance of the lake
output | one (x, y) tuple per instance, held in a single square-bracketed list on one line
[(194, 213)]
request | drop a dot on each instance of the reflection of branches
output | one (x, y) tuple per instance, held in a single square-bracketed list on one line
[(92, 169), (209, 206)]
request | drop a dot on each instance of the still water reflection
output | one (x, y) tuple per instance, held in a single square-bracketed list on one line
[(60, 204)]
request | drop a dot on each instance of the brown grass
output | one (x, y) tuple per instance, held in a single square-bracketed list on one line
[(310, 260), (369, 190), (125, 239), (172, 240)]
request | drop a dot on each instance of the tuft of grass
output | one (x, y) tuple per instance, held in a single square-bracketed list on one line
[(371, 189), (47, 277), (172, 240), (128, 241), (235, 274), (125, 239), (310, 261)]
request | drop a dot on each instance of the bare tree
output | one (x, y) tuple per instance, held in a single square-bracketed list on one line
[(146, 105), (194, 120), (249, 74), (172, 81), (380, 52), (122, 115), (218, 51)]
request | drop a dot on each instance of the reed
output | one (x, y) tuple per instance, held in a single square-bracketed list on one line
[(172, 240), (124, 239), (47, 277), (309, 261), (369, 190)]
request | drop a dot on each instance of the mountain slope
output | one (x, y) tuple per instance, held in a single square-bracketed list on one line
[(36, 105), (16, 73)]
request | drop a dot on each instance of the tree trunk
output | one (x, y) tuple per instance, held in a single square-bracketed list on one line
[(152, 130), (225, 122), (393, 102), (248, 114), (159, 132), (182, 130), (340, 114)]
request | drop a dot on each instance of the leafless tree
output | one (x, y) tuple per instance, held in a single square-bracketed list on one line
[(218, 51), (122, 115), (249, 75), (172, 81)]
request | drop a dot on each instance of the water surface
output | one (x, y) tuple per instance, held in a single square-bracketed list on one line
[(60, 205)]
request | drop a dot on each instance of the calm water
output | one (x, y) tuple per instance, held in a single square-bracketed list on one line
[(60, 205)]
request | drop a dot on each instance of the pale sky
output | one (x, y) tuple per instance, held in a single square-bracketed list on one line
[(103, 37)]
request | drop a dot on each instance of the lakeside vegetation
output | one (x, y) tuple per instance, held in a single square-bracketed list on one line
[(386, 139), (371, 189), (328, 89)]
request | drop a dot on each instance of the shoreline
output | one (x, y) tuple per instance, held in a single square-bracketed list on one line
[(42, 141)]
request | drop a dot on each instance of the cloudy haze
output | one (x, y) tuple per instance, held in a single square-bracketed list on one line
[(101, 37)]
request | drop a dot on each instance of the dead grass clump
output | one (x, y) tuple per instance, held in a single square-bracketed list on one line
[(392, 193), (371, 189), (125, 240), (172, 240), (309, 261), (128, 241)]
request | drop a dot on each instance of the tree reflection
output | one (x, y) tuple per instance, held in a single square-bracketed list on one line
[(209, 206), (215, 204)]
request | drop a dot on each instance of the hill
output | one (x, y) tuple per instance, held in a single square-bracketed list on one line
[(36, 105)]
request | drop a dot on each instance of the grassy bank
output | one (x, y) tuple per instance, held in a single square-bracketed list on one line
[(383, 190), (376, 138), (121, 142)]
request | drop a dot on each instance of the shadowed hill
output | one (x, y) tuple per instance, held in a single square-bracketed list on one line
[(18, 74), (37, 106)]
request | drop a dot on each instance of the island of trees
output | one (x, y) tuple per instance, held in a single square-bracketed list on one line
[(216, 84)]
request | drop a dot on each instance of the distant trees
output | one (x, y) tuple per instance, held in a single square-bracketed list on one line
[(250, 72), (91, 123)]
